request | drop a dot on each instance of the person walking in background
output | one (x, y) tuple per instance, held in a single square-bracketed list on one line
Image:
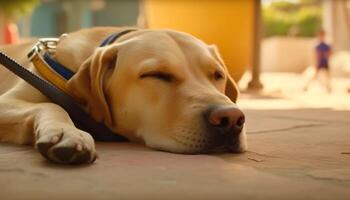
[(323, 52)]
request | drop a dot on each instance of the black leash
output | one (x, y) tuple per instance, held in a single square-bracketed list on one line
[(80, 118)]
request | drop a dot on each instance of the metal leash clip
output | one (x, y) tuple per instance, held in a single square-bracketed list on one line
[(48, 44)]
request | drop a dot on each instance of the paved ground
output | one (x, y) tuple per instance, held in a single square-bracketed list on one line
[(299, 148)]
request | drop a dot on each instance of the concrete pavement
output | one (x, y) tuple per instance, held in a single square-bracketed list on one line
[(296, 151)]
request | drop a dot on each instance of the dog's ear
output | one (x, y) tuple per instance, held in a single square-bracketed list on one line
[(87, 85), (231, 88)]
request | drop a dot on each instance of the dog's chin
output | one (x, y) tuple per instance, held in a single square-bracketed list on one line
[(195, 145), (237, 144), (175, 146), (181, 149)]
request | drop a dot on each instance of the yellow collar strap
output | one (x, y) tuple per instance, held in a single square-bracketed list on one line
[(44, 69), (53, 71)]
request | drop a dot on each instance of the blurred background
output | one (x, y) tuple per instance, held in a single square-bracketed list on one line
[(298, 139), (261, 40)]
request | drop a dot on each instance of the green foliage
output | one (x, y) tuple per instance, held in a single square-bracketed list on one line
[(284, 6), (13, 9), (280, 18)]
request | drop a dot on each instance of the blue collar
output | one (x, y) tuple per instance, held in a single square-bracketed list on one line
[(67, 73)]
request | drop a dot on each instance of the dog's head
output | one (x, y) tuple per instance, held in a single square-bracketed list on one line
[(165, 88)]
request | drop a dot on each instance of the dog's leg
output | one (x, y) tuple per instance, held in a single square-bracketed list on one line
[(47, 126)]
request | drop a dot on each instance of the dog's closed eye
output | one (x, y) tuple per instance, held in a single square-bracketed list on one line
[(158, 75), (218, 75)]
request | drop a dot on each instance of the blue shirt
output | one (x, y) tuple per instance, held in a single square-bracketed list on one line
[(323, 51)]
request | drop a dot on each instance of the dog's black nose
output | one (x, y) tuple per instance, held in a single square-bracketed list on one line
[(225, 119)]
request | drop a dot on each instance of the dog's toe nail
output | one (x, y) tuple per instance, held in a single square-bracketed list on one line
[(94, 158), (54, 139), (79, 147)]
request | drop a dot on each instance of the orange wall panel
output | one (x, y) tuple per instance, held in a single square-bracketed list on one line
[(227, 23)]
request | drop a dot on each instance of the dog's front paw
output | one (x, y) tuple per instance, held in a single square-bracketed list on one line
[(67, 145)]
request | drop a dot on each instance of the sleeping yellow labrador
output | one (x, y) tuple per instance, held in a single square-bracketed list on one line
[(163, 88)]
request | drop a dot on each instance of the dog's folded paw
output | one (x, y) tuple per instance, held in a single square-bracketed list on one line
[(66, 145)]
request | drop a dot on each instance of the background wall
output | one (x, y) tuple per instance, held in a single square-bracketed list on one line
[(228, 24)]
